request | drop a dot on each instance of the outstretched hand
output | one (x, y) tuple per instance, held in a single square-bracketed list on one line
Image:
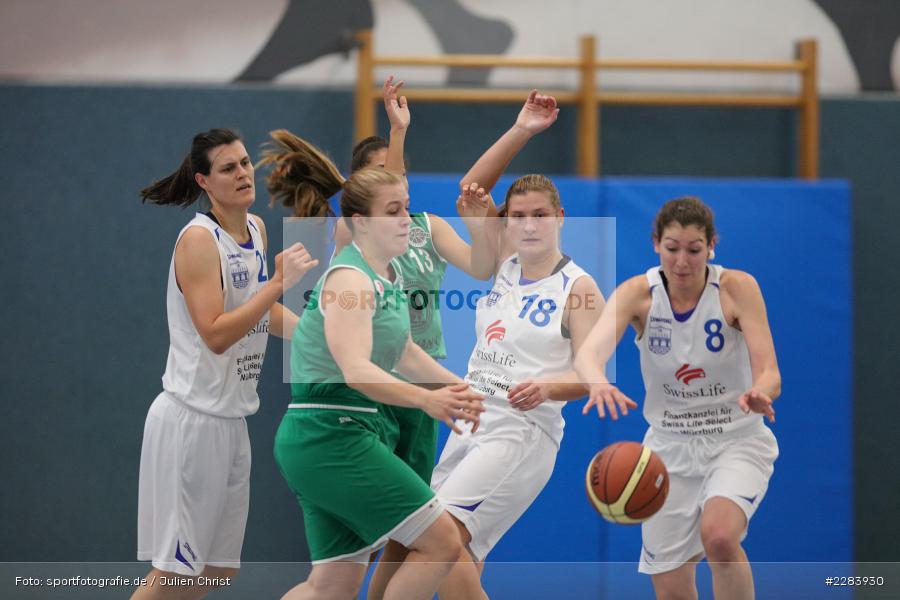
[(758, 402), (538, 114), (396, 107), (607, 397)]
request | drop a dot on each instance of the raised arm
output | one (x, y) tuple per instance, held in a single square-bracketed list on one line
[(480, 259), (625, 306), (750, 315), (538, 113), (397, 110)]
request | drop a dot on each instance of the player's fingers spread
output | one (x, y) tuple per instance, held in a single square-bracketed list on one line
[(469, 417), (453, 427), (625, 400), (611, 408), (587, 406)]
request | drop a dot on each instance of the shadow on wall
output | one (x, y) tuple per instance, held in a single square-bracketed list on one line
[(870, 29), (300, 38)]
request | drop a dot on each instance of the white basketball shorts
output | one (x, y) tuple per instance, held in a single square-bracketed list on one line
[(488, 479), (194, 490), (737, 468)]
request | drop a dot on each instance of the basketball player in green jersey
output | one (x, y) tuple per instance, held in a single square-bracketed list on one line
[(432, 244), (333, 445)]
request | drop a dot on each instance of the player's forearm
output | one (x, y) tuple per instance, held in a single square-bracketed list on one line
[(769, 382), (589, 365), (231, 326), (491, 165), (566, 388), (283, 321), (483, 252), (417, 366), (394, 162), (379, 385)]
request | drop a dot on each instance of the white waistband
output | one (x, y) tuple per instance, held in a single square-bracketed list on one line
[(335, 407)]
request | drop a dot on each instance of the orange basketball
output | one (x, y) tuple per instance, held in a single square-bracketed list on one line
[(627, 482)]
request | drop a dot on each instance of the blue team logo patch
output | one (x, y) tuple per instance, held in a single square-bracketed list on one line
[(495, 295), (659, 336), (240, 274)]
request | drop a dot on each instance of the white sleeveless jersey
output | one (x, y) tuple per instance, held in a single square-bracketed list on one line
[(694, 371), (519, 329), (218, 384)]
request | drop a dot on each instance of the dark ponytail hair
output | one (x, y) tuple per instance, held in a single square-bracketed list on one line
[(363, 150), (180, 188)]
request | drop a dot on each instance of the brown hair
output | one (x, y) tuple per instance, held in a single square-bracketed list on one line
[(530, 183), (304, 178), (180, 188), (362, 152), (686, 210)]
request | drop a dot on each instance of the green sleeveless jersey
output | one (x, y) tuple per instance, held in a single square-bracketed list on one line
[(315, 376), (423, 272)]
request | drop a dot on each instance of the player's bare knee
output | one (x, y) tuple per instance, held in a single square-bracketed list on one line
[(440, 542), (721, 544)]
